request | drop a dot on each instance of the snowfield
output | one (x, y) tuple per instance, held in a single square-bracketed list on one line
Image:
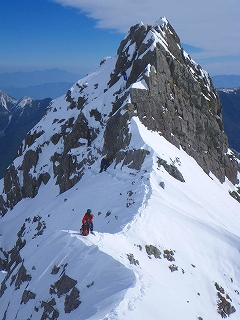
[(197, 221)]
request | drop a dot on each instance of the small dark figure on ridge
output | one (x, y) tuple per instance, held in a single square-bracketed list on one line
[(105, 163), (124, 73)]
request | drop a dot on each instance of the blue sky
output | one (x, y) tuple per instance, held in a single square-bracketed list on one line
[(74, 35)]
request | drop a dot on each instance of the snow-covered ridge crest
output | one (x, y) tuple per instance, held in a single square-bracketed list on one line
[(23, 101)]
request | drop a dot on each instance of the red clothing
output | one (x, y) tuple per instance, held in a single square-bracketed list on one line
[(87, 218)]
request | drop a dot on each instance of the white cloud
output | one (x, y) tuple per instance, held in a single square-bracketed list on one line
[(211, 25)]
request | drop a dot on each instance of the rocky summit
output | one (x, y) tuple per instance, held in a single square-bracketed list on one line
[(154, 113), (165, 88)]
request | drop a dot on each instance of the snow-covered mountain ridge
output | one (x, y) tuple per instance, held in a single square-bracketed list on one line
[(6, 102), (17, 117), (166, 241)]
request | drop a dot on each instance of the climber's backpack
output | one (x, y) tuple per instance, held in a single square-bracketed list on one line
[(84, 230)]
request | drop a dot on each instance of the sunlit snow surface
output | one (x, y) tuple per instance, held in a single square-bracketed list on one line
[(197, 219)]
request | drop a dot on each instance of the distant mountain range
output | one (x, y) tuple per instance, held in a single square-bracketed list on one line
[(25, 79), (50, 83), (226, 81), (40, 91)]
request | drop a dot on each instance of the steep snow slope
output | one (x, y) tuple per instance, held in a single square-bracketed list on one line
[(162, 249)]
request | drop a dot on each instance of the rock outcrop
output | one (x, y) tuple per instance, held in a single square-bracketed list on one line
[(180, 101)]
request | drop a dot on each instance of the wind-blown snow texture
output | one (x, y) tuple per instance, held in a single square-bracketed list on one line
[(162, 249)]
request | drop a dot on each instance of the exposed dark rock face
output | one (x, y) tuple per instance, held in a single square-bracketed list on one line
[(63, 285), (71, 301), (11, 265), (171, 169), (49, 311), (116, 135), (67, 164), (183, 106), (22, 276), (12, 187), (29, 140), (27, 295), (133, 159)]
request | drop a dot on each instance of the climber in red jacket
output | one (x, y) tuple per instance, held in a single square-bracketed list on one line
[(87, 222)]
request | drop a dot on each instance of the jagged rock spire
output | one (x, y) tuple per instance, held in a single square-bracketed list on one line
[(180, 101)]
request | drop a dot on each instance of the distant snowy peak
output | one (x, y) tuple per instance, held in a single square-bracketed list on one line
[(22, 103), (6, 101), (12, 104), (6, 105), (230, 90)]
